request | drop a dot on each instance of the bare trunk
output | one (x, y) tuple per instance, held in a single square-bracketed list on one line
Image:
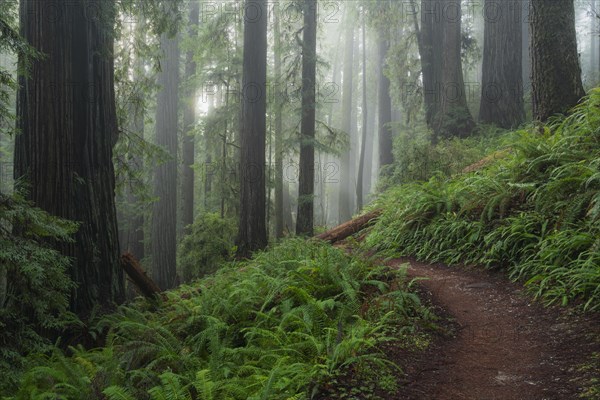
[(67, 119), (361, 162), (252, 234), (345, 211), (501, 96), (556, 73), (305, 220), (189, 119), (164, 215)]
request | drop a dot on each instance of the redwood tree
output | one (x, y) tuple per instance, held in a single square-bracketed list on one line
[(252, 230), (68, 127), (556, 73), (189, 118), (502, 74), (345, 212), (304, 222), (453, 118), (164, 214)]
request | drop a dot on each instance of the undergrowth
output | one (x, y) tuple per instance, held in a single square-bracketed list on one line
[(276, 327), (34, 283), (535, 211)]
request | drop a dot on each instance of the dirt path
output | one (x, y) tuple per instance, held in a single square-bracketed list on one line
[(505, 347)]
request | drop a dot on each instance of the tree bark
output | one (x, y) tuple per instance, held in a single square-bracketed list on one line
[(349, 228), (189, 118), (164, 216), (502, 73), (67, 119), (138, 276), (386, 157), (361, 161), (344, 210), (279, 220), (304, 222), (453, 118), (556, 73), (252, 234)]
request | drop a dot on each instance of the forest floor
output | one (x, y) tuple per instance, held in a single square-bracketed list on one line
[(503, 345)]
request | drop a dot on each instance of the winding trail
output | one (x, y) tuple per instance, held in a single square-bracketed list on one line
[(505, 346)]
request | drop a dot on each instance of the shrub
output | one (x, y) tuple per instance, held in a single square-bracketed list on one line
[(34, 283), (208, 244)]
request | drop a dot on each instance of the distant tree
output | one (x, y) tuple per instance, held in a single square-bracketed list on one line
[(555, 70), (345, 211), (189, 119), (68, 127), (304, 222), (164, 213), (365, 118), (277, 50), (386, 156), (252, 230), (502, 73)]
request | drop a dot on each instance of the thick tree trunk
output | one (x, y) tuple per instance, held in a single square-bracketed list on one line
[(252, 234), (164, 216), (453, 118), (189, 118), (345, 211), (304, 222), (556, 73), (67, 119), (501, 95)]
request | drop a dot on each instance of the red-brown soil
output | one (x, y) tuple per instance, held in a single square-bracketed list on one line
[(505, 346)]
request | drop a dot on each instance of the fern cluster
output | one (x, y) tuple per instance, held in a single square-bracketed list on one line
[(276, 327), (34, 283), (535, 211)]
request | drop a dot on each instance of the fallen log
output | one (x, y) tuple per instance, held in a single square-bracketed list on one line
[(349, 228), (138, 276)]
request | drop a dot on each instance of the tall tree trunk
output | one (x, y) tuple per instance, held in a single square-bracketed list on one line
[(304, 222), (135, 230), (279, 222), (252, 234), (386, 156), (429, 40), (526, 58), (67, 119), (556, 73), (453, 118), (502, 73), (189, 118), (345, 212), (593, 45), (164, 215), (365, 118)]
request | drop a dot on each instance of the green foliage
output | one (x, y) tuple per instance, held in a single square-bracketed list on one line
[(34, 283), (276, 327), (534, 211), (208, 244), (416, 159)]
